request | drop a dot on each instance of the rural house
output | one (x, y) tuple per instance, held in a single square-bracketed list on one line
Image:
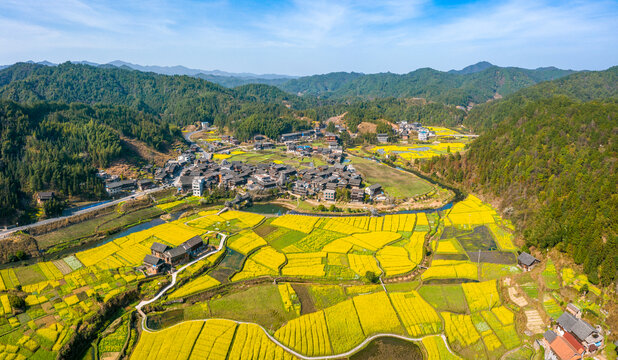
[(329, 195), (154, 265), (176, 256), (44, 196), (192, 245), (574, 310), (157, 249), (526, 261), (583, 333)]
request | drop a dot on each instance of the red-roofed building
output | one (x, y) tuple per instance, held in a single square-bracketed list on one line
[(563, 350), (577, 346)]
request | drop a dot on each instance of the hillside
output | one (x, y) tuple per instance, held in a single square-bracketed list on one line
[(180, 100), (551, 160), (53, 146), (455, 88), (583, 86)]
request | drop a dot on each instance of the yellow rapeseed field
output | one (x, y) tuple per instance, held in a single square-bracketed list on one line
[(460, 329), (360, 264), (288, 296), (436, 349), (417, 316), (307, 335), (344, 227), (482, 295), (394, 260), (451, 269), (269, 257), (252, 269), (373, 240), (249, 219), (214, 340), (344, 327), (250, 342), (246, 241), (296, 222), (338, 246), (203, 282), (305, 264), (376, 314)]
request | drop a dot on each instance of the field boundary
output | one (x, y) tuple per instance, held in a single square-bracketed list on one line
[(224, 237)]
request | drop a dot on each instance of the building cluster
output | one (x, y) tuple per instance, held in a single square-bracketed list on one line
[(333, 154), (572, 338), (325, 180), (207, 174), (163, 257), (115, 185), (405, 129)]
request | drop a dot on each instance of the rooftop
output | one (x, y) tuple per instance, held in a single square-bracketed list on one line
[(526, 259)]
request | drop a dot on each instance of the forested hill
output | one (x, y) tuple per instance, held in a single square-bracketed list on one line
[(179, 100), (551, 160), (183, 99), (454, 88), (52, 146), (582, 86)]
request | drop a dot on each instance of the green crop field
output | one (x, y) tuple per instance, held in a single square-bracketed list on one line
[(396, 183), (445, 297), (259, 304)]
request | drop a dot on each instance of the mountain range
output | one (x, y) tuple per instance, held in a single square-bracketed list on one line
[(471, 85)]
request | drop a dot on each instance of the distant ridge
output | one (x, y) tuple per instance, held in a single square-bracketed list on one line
[(471, 69), (182, 70), (170, 70)]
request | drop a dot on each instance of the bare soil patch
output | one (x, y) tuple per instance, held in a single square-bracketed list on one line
[(306, 302), (367, 127)]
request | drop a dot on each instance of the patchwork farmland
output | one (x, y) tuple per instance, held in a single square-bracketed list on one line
[(289, 286)]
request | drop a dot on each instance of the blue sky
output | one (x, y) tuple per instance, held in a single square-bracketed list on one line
[(303, 37)]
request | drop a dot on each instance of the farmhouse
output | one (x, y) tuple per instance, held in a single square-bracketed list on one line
[(44, 196), (192, 245), (176, 256), (153, 264), (526, 261), (558, 348), (145, 184), (382, 138), (357, 195), (373, 190), (157, 249), (574, 310), (119, 186), (590, 338)]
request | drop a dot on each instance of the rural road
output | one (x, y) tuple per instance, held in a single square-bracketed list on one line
[(7, 232)]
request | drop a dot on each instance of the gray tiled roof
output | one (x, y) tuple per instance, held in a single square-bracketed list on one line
[(526, 259), (566, 321), (550, 336), (158, 247), (175, 252), (152, 260), (582, 329)]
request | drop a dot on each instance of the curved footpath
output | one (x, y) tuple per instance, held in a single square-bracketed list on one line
[(272, 338)]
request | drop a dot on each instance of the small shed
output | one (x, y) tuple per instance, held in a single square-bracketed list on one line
[(44, 196), (574, 310), (526, 261)]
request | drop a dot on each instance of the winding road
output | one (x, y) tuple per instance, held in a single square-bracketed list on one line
[(357, 348)]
